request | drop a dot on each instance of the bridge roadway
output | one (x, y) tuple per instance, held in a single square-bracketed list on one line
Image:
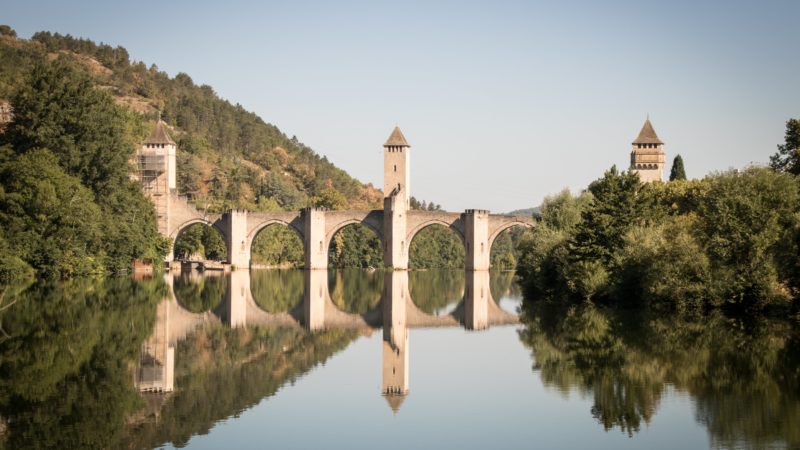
[(316, 311), (395, 225)]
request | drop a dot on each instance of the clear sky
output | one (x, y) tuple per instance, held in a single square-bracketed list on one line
[(502, 102)]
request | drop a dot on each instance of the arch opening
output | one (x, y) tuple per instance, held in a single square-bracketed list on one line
[(199, 292), (199, 241), (355, 245), (504, 247), (353, 248), (277, 246), (436, 246)]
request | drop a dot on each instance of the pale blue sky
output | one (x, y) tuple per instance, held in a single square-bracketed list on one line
[(502, 102)]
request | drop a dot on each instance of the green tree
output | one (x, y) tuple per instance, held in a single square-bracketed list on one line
[(677, 172), (787, 159), (50, 221), (613, 210), (6, 30), (57, 108)]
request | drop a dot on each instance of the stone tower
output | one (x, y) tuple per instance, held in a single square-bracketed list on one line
[(396, 177), (156, 167), (647, 156), (396, 166)]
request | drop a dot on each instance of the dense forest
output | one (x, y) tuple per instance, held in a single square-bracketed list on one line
[(729, 240)]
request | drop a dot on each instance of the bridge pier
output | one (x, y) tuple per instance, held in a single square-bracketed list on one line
[(316, 288), (316, 247), (235, 308), (395, 221), (476, 236), (477, 296), (235, 223)]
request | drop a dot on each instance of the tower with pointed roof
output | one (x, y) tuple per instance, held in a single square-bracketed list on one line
[(396, 166), (396, 183), (647, 156), (157, 171)]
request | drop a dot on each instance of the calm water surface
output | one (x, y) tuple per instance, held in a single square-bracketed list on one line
[(351, 359)]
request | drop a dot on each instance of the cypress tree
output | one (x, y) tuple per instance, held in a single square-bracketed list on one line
[(677, 172), (788, 157)]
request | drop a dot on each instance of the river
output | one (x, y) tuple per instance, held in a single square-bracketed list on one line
[(355, 359)]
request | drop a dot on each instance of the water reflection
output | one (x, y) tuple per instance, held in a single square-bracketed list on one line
[(358, 301), (117, 363), (742, 374)]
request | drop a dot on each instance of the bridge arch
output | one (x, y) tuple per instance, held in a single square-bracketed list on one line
[(496, 232), (179, 230), (261, 227), (452, 225), (332, 230), (369, 249)]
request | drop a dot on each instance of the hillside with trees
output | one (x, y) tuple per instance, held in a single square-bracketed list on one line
[(227, 158)]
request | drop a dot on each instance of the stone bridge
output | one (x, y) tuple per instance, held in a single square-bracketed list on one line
[(477, 230), (396, 224)]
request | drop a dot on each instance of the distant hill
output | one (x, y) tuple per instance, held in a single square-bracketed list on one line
[(228, 157), (527, 212)]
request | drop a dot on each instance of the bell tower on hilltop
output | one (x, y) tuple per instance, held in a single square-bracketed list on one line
[(647, 156)]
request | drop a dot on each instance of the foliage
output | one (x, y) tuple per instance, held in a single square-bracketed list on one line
[(200, 240), (70, 206), (677, 172), (436, 247), (729, 240), (6, 30), (787, 159), (277, 246), (355, 246), (250, 153)]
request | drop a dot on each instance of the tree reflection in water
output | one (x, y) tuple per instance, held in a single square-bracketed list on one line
[(355, 291), (436, 291), (199, 292), (65, 379), (277, 291), (742, 375)]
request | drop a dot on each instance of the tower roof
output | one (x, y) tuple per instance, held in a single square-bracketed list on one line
[(394, 401), (396, 139), (159, 135), (647, 135)]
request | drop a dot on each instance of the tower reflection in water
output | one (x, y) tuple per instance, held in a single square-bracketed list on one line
[(396, 313)]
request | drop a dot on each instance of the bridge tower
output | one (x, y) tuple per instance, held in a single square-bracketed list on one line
[(647, 156), (396, 177), (156, 172)]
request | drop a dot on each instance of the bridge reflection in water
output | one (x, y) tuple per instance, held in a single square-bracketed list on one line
[(228, 299)]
